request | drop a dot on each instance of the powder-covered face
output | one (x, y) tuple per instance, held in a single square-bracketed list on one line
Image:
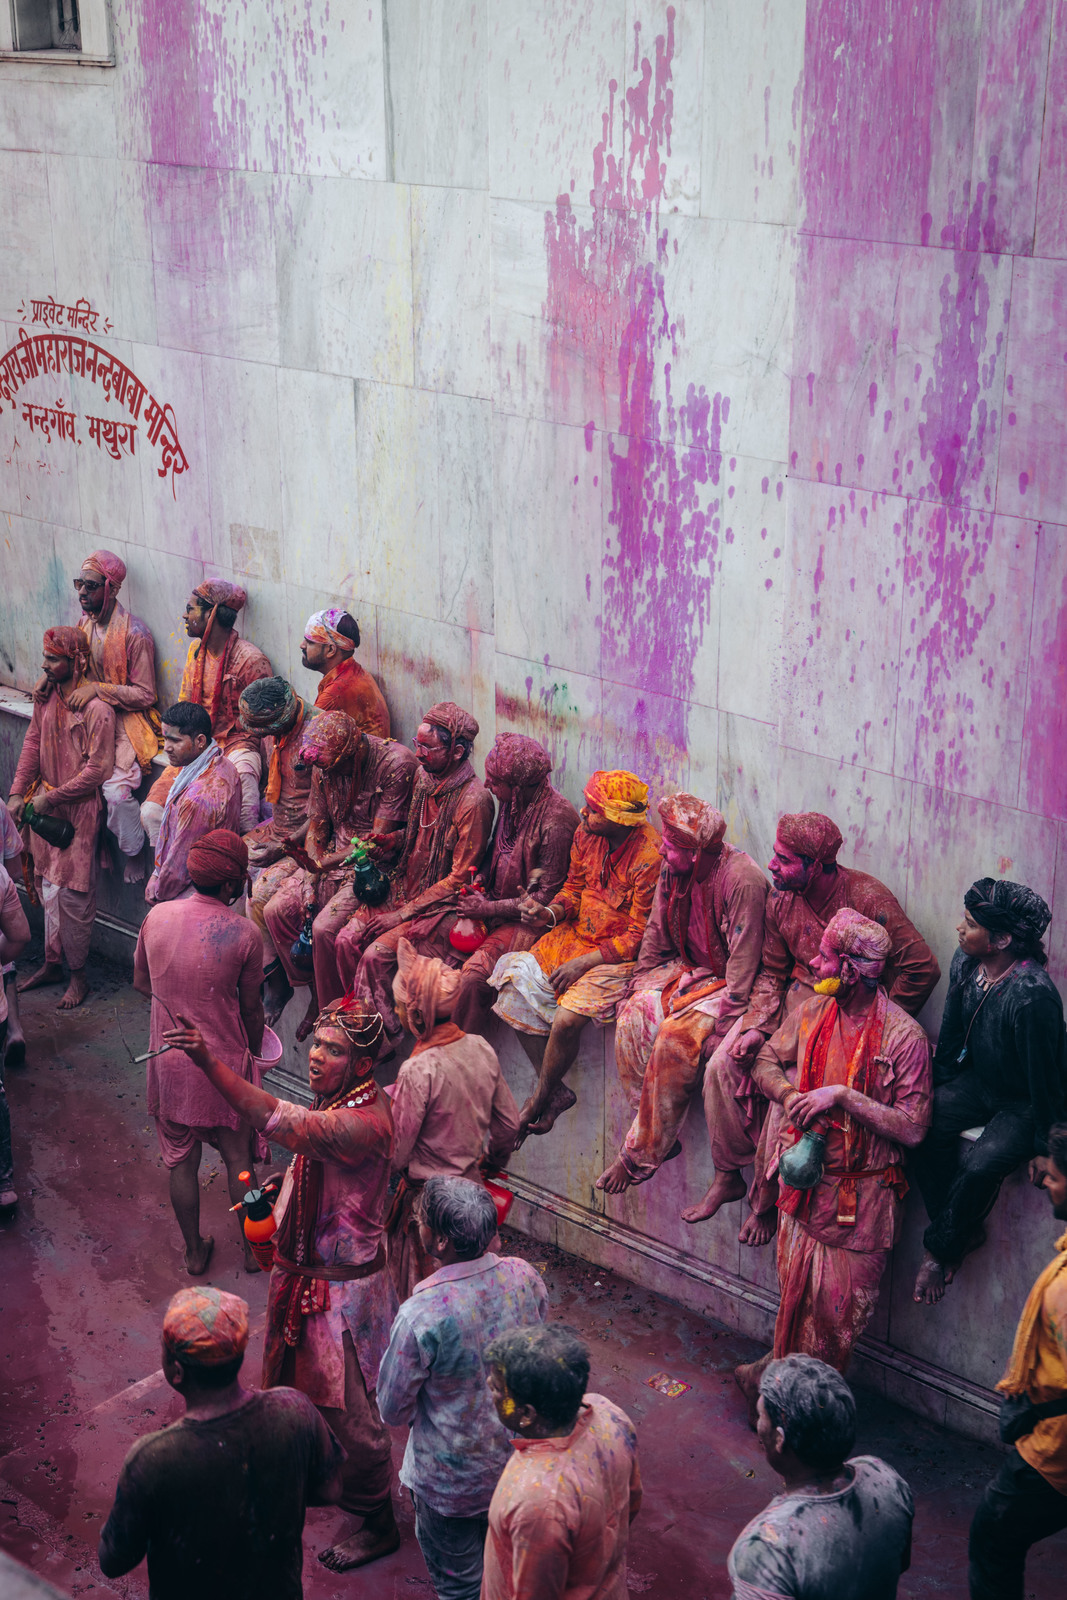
[(506, 1409), (90, 587), (789, 871), (594, 818), (1055, 1186), (679, 859), (57, 669), (432, 753), (328, 1060), (826, 965), (195, 618), (182, 748)]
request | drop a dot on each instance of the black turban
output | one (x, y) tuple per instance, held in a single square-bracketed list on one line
[(1003, 907)]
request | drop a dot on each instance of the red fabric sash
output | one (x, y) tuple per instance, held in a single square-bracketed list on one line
[(797, 1202), (679, 911)]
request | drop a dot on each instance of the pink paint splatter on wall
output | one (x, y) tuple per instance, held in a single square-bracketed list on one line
[(612, 333)]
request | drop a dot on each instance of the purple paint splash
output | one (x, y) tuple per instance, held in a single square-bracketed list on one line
[(610, 324)]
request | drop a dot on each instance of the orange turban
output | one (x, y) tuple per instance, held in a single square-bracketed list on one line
[(69, 642), (865, 943), (809, 833), (218, 857), (206, 1326), (426, 986), (621, 796), (690, 823), (218, 592)]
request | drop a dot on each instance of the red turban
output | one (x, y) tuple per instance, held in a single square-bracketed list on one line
[(426, 986), (809, 833), (329, 738), (206, 1326), (219, 857), (68, 642), (217, 592), (519, 761), (621, 796), (691, 823), (866, 943), (111, 568), (456, 722)]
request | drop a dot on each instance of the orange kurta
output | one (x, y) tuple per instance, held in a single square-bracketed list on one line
[(605, 902)]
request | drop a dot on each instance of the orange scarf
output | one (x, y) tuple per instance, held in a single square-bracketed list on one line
[(444, 1033), (273, 791)]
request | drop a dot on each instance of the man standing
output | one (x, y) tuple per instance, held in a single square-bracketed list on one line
[(448, 830), (434, 1378), (842, 1529), (217, 1500), (198, 956), (331, 1300), (863, 1082), (809, 887), (330, 640), (14, 1052), (67, 756), (1027, 1500), (531, 848), (121, 673), (218, 668), (14, 936), (204, 794), (579, 971), (1000, 1062), (452, 1109), (360, 789), (560, 1516), (690, 988)]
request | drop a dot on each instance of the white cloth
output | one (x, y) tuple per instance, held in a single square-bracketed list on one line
[(123, 812), (189, 774), (10, 838), (527, 999)]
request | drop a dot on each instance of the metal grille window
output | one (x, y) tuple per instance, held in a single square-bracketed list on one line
[(42, 30)]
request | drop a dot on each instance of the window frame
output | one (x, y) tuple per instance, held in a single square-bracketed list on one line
[(98, 47)]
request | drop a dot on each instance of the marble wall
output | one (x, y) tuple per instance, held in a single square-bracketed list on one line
[(677, 383)]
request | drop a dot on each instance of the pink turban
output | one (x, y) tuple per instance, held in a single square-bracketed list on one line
[(217, 592), (206, 1326), (690, 823), (519, 761), (865, 943), (111, 568), (69, 642), (218, 857), (809, 833), (456, 722), (330, 737), (425, 986)]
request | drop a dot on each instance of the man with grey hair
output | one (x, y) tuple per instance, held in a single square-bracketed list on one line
[(842, 1529), (434, 1377)]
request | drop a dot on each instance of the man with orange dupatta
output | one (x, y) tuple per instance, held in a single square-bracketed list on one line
[(580, 969), (690, 988), (67, 757), (331, 638), (218, 668), (863, 1082), (453, 1113), (331, 1300)]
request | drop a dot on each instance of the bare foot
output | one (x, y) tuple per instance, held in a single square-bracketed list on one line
[(77, 989), (51, 972), (561, 1099), (615, 1179), (759, 1228), (196, 1263), (931, 1281), (133, 869), (379, 1536), (747, 1378), (727, 1186), (307, 1025), (277, 993)]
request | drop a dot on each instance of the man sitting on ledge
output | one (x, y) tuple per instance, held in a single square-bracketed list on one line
[(579, 971), (1001, 1061)]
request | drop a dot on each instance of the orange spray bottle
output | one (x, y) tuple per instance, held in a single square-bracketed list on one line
[(259, 1224)]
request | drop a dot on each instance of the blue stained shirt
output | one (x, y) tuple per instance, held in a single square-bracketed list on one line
[(434, 1378)]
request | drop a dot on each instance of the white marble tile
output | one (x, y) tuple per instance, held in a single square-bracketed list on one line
[(968, 601), (177, 511), (747, 788), (27, 268), (665, 75), (399, 524), (548, 589), (753, 70), (243, 467), (872, 809), (320, 494), (344, 278), (465, 510), (265, 619), (437, 81), (32, 597), (156, 88), (336, 91), (10, 424), (483, 693), (214, 254), (560, 709), (302, 602), (551, 345), (102, 242), (571, 1159), (752, 580), (450, 238), (648, 734), (1056, 937), (421, 662), (1032, 480), (1042, 788), (49, 115), (158, 587), (551, 63), (841, 637)]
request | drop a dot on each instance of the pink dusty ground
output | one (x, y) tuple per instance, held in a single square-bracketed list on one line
[(94, 1256)]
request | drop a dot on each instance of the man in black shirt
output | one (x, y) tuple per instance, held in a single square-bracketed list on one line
[(1001, 1062), (217, 1500)]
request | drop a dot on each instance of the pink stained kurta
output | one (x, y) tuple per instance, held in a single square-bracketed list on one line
[(451, 1105), (559, 1519), (202, 959), (355, 1147), (131, 699), (73, 752), (291, 807), (213, 800)]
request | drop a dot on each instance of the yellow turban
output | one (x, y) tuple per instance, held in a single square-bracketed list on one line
[(621, 796)]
